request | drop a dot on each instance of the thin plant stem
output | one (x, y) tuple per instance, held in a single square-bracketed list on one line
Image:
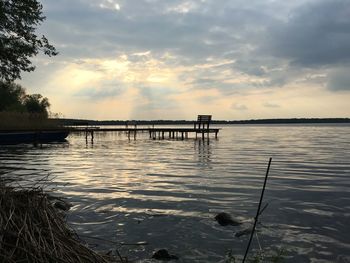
[(257, 212)]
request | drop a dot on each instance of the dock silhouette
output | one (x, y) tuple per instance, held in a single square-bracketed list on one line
[(201, 129)]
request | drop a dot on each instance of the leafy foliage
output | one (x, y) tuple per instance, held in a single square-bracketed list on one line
[(36, 103), (13, 98), (18, 40)]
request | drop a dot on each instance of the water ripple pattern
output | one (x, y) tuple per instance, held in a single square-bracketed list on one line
[(167, 192)]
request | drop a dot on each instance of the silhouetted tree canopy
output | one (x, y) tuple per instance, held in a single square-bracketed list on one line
[(13, 98), (36, 103), (18, 40)]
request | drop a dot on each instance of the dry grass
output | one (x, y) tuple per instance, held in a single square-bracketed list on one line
[(33, 230), (26, 121)]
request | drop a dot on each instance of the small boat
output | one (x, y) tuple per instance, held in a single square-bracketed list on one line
[(9, 137)]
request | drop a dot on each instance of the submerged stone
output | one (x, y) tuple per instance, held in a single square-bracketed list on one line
[(163, 254), (224, 219)]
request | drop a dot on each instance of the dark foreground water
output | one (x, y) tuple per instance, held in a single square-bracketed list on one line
[(167, 192)]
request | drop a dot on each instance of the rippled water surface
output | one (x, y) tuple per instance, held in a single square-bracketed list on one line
[(166, 192)]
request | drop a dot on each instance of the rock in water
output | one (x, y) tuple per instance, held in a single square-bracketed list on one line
[(163, 254), (64, 206), (225, 219)]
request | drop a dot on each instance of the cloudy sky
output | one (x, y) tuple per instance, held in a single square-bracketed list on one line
[(174, 59)]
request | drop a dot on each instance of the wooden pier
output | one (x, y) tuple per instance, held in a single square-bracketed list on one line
[(154, 133), (200, 129)]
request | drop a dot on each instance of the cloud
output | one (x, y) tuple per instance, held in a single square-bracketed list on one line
[(339, 80), (207, 99), (157, 97), (239, 107), (269, 104), (98, 94), (316, 34)]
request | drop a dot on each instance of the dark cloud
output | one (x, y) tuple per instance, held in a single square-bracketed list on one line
[(82, 28), (316, 34)]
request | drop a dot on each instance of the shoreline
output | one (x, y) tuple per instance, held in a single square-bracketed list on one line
[(34, 229)]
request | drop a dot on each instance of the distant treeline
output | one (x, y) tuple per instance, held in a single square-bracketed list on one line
[(72, 122)]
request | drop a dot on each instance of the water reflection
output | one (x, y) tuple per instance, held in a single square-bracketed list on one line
[(167, 192), (203, 149)]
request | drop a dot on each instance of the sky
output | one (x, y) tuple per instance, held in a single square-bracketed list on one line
[(175, 59)]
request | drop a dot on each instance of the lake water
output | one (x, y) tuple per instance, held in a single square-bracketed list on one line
[(167, 192)]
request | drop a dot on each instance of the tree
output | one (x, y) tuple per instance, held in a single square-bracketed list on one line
[(18, 40), (11, 97), (36, 103)]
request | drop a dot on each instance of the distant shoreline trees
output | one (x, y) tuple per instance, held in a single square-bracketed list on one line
[(217, 122)]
